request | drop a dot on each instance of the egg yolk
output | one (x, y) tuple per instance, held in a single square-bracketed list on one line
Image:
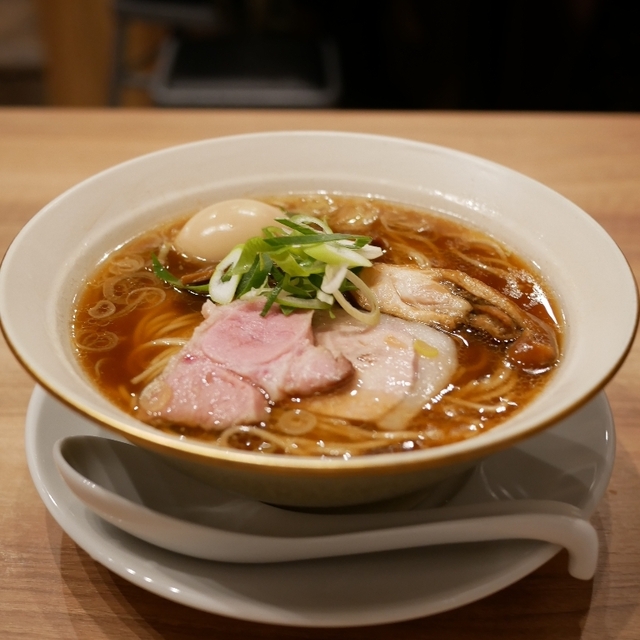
[(212, 232)]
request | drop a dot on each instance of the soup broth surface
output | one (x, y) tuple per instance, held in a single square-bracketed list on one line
[(127, 323)]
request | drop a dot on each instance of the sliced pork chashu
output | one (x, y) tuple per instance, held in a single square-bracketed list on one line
[(427, 295), (399, 366), (237, 362)]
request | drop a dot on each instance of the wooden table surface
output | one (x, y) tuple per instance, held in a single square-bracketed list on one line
[(50, 588)]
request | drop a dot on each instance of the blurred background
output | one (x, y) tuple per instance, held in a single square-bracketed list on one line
[(580, 55)]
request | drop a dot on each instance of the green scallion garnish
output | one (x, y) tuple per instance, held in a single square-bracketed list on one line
[(302, 264)]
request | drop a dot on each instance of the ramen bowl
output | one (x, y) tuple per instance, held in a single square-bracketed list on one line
[(47, 263)]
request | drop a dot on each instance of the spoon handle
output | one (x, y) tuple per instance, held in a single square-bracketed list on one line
[(544, 520), (576, 534)]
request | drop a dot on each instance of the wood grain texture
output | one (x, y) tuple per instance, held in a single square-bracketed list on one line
[(51, 589)]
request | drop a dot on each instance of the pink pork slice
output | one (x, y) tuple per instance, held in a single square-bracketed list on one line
[(277, 352), (236, 362), (197, 392)]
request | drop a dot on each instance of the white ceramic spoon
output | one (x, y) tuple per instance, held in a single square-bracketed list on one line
[(138, 492)]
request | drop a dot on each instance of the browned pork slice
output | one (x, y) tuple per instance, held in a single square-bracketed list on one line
[(259, 359), (414, 294), (399, 365), (423, 294)]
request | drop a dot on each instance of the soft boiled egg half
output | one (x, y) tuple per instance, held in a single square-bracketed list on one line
[(215, 230)]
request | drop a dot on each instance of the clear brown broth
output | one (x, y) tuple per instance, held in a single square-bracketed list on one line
[(442, 240)]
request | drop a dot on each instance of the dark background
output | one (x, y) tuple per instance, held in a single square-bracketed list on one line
[(555, 55), (513, 55)]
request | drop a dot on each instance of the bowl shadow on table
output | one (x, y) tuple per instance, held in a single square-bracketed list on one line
[(548, 601)]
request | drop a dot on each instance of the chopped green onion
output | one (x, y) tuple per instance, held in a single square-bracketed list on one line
[(318, 238), (163, 274), (304, 224), (296, 265), (325, 297), (301, 264), (334, 276), (371, 317), (301, 303), (256, 278), (338, 255), (271, 298), (250, 250), (222, 289)]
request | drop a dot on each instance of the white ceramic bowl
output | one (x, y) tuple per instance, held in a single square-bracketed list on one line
[(45, 265)]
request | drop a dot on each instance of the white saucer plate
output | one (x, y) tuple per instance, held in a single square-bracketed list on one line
[(570, 462)]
